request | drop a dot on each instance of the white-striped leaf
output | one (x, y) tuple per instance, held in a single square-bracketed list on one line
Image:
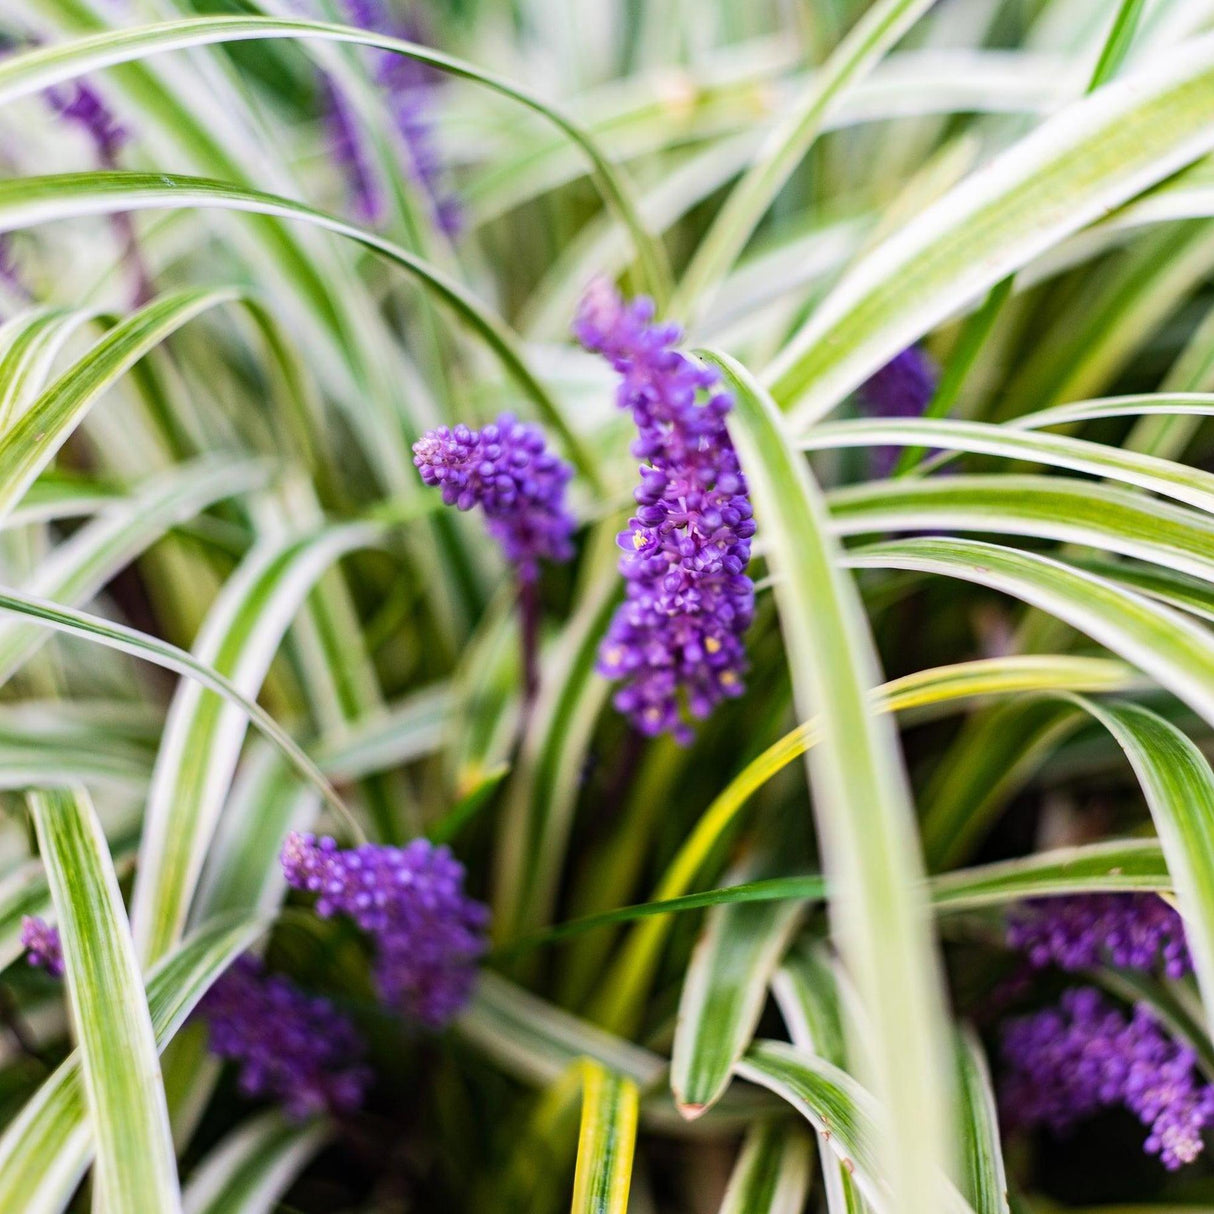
[(136, 1166)]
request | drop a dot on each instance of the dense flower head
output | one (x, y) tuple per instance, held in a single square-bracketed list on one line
[(428, 933), (1085, 1055), (42, 945), (676, 640), (507, 470), (291, 1047), (81, 104), (1137, 931), (902, 388), (408, 87)]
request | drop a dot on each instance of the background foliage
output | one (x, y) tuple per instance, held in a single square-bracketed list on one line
[(231, 609)]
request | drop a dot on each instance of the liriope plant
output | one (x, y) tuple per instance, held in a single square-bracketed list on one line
[(606, 606)]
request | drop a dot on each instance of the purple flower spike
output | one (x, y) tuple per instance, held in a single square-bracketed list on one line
[(42, 946), (902, 388), (1066, 1063), (428, 933), (348, 150), (676, 641), (292, 1047), (508, 471), (409, 88), (81, 104), (1137, 931)]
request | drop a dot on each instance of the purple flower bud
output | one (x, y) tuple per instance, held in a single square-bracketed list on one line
[(427, 932), (292, 1047), (676, 641), (508, 471), (42, 946), (1066, 1063), (1137, 931)]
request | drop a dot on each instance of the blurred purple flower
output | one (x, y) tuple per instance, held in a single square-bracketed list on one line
[(42, 945), (80, 104), (292, 1047), (507, 470), (676, 640), (1068, 1062), (428, 933), (902, 388), (409, 88), (1137, 931)]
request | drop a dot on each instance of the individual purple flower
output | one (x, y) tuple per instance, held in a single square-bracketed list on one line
[(902, 388), (676, 640), (1066, 1063), (42, 945), (410, 900), (507, 470), (1136, 930), (79, 103), (291, 1047), (409, 87)]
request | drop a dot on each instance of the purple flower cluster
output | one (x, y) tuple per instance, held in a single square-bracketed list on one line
[(1137, 931), (42, 945), (507, 470), (1068, 1062), (428, 933), (81, 104), (676, 641), (902, 388), (409, 88), (292, 1047)]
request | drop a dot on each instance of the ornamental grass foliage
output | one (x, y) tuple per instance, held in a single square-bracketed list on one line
[(606, 607)]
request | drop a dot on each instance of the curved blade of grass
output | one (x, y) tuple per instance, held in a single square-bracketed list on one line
[(1170, 647), (136, 1165), (39, 337), (204, 732), (151, 649), (251, 1169), (45, 1151), (1057, 508), (984, 1179), (1091, 157), (806, 990), (1188, 485), (724, 990), (34, 70), (74, 571), (844, 1114), (772, 1173), (537, 1041), (30, 200), (394, 737), (1179, 788), (32, 441), (626, 980), (606, 1141), (863, 808), (1116, 866), (877, 30), (1119, 865)]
